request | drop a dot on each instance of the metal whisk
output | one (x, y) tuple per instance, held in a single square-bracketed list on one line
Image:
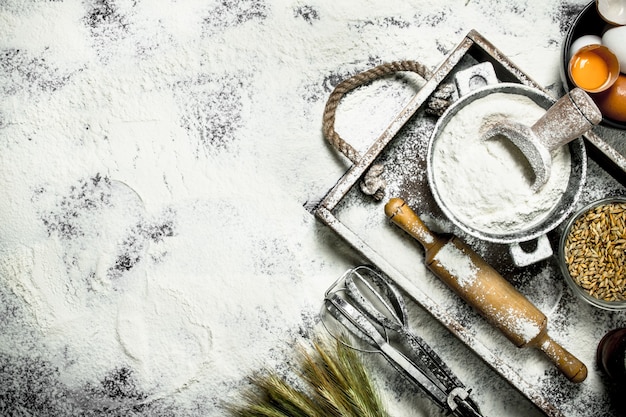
[(372, 308)]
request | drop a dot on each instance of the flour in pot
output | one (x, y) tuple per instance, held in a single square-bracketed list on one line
[(486, 184)]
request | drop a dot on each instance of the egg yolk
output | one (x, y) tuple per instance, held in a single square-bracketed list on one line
[(589, 71)]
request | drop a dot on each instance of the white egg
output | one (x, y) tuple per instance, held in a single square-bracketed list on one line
[(584, 41), (614, 39), (612, 11)]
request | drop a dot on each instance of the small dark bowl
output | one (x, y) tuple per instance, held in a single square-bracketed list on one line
[(588, 22)]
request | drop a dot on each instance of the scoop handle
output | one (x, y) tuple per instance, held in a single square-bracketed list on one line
[(571, 116)]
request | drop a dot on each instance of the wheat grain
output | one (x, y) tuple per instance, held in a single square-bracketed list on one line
[(595, 251)]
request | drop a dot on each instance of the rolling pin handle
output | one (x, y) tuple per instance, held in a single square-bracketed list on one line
[(568, 364), (401, 214)]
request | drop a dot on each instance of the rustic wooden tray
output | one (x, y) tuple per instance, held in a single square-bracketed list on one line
[(360, 221)]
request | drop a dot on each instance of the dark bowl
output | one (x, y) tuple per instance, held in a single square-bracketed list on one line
[(588, 22)]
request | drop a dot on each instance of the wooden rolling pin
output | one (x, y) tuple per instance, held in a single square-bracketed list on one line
[(485, 289)]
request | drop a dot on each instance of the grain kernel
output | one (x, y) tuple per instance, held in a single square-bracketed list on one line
[(596, 251)]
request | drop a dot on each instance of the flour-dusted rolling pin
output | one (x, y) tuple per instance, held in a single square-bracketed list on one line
[(485, 289)]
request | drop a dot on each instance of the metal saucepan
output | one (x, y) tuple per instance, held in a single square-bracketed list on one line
[(564, 207)]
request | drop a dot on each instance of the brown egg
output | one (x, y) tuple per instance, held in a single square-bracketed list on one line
[(612, 102)]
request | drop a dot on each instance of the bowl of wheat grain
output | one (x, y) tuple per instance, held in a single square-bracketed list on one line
[(592, 253)]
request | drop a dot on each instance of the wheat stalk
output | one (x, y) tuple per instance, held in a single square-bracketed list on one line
[(337, 385)]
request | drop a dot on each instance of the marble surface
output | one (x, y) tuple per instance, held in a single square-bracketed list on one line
[(157, 162)]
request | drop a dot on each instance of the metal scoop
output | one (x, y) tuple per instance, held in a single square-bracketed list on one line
[(570, 117), (371, 307)]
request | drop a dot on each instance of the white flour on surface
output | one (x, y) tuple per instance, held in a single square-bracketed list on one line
[(486, 184), (154, 160)]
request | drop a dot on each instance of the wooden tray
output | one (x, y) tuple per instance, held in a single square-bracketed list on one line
[(360, 221)]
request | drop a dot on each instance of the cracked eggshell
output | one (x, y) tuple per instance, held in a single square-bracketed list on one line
[(612, 11), (614, 39)]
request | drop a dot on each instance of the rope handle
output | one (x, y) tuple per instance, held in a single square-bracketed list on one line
[(347, 85)]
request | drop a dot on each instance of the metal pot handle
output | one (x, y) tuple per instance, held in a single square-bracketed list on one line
[(522, 257)]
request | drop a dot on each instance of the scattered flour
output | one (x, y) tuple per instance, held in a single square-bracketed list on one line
[(527, 329), (155, 158), (458, 263)]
